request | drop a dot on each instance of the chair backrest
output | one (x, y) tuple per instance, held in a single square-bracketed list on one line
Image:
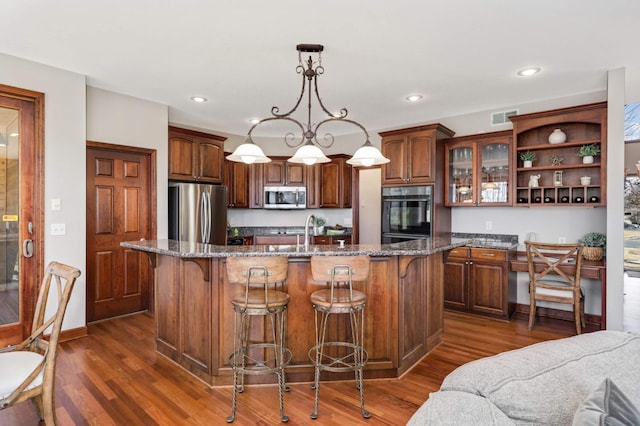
[(548, 261), (64, 277), (238, 267), (327, 268)]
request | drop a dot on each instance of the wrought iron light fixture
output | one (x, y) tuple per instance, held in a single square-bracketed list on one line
[(308, 143)]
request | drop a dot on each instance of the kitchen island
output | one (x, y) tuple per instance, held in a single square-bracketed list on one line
[(194, 315)]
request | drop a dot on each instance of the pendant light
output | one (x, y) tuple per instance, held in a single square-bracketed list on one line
[(308, 145)]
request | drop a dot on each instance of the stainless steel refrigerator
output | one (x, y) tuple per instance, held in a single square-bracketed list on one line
[(198, 213)]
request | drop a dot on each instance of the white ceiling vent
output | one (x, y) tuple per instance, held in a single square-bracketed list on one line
[(502, 117)]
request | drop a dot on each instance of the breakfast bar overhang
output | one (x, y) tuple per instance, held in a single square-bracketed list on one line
[(194, 316)]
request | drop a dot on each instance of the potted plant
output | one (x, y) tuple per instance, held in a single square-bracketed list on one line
[(587, 152), (594, 244), (320, 222), (527, 158)]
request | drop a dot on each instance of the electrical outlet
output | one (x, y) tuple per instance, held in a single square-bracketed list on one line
[(562, 240), (488, 225), (58, 229)]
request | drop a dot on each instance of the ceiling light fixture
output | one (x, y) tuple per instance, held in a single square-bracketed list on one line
[(309, 152), (413, 98), (527, 72), (199, 99)]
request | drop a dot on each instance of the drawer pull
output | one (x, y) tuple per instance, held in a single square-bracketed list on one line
[(488, 254)]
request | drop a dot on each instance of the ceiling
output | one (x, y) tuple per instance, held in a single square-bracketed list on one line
[(462, 56)]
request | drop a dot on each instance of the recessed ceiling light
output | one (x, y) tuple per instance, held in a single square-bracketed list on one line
[(254, 120), (529, 71), (14, 134), (199, 99), (413, 98)]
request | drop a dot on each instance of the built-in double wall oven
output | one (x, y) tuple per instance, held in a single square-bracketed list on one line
[(407, 213)]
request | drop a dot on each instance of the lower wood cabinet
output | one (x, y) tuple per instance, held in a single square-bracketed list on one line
[(331, 239), (194, 318), (478, 280)]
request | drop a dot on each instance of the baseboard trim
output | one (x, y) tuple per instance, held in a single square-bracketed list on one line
[(74, 333), (558, 314)]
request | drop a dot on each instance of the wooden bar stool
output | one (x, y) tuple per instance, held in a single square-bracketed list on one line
[(263, 279), (339, 298)]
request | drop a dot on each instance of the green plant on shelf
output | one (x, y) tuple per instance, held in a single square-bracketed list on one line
[(528, 156), (590, 150)]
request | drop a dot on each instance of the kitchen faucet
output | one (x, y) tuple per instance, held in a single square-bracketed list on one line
[(311, 218)]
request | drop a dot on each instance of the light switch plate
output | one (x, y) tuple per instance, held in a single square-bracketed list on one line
[(55, 204)]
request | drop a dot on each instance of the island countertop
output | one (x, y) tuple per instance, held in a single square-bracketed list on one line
[(183, 249)]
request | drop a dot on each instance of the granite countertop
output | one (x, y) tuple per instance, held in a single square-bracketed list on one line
[(184, 249), (490, 241), (279, 230)]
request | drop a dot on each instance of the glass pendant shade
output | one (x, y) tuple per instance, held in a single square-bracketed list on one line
[(367, 155), (309, 154), (248, 153)]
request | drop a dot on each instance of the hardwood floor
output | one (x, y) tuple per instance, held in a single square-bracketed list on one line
[(115, 377)]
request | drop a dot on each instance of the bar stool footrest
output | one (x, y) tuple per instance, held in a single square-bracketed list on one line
[(255, 366), (338, 363)]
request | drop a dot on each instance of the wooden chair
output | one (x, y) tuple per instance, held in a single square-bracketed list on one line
[(263, 295), (551, 280), (339, 272), (28, 370)]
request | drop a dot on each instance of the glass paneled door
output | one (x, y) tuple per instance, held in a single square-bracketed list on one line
[(20, 210), (9, 209)]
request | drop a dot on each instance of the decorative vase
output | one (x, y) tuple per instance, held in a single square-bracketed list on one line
[(528, 163), (557, 136), (592, 253), (585, 180), (587, 159)]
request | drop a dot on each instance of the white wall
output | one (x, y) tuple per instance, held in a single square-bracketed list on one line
[(64, 135), (615, 199), (124, 120)]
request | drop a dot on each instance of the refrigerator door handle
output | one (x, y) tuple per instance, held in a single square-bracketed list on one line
[(203, 218), (208, 218)]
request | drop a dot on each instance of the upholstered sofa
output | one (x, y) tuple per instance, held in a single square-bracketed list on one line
[(549, 383)]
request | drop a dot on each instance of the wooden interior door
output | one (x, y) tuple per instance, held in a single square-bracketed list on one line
[(120, 207), (21, 209)]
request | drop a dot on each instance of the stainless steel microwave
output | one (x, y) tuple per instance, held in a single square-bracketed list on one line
[(285, 197)]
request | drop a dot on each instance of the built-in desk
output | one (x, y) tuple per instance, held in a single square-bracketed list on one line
[(595, 269)]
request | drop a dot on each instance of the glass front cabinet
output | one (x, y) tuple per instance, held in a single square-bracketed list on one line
[(478, 170)]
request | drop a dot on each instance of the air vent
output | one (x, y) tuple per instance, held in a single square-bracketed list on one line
[(502, 117)]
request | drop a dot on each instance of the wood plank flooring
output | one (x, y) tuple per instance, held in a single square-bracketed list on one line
[(115, 377)]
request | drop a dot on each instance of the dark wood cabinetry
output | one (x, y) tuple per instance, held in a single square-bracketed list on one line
[(280, 172), (195, 156), (478, 280), (236, 178), (558, 165), (329, 240), (335, 183), (478, 170), (414, 154)]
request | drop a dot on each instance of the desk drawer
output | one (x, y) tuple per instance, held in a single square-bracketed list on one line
[(459, 252), (488, 254)]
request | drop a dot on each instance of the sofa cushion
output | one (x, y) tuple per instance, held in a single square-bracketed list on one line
[(606, 405), (546, 382), (458, 408)]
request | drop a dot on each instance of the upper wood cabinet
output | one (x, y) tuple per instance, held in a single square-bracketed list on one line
[(335, 183), (244, 182), (412, 153), (236, 178), (195, 156), (478, 171), (281, 172), (313, 186), (558, 166)]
